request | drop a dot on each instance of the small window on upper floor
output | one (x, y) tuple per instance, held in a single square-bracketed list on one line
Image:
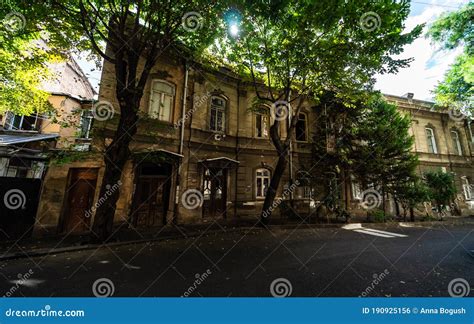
[(85, 124), (217, 114), (262, 118), (301, 128), (456, 142), (161, 100), (430, 137)]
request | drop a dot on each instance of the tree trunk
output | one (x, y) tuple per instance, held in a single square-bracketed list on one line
[(412, 214), (115, 157), (269, 205)]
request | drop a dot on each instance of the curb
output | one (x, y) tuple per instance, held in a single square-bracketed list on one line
[(46, 252)]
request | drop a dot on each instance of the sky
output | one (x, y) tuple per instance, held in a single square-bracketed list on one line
[(420, 78)]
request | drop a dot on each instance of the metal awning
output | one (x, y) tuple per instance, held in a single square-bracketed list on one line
[(220, 162), (10, 139)]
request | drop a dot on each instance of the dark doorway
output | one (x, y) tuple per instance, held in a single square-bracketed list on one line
[(19, 198), (215, 192), (79, 198), (152, 194)]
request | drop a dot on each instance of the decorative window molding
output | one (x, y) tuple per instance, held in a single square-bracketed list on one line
[(456, 140), (431, 140), (217, 114), (161, 104)]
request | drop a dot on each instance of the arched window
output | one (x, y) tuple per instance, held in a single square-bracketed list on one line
[(262, 182), (262, 121), (456, 142), (217, 114), (161, 100), (301, 128), (432, 148)]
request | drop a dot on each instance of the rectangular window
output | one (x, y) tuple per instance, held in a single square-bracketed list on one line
[(86, 124), (217, 118), (262, 182), (261, 125), (18, 122), (356, 189), (161, 100), (467, 189), (301, 131), (431, 141), (456, 142)]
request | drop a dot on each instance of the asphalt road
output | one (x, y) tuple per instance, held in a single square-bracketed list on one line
[(300, 262)]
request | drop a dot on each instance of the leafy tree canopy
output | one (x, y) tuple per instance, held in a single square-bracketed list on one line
[(452, 30)]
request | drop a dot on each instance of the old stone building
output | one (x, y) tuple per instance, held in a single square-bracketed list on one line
[(201, 155), (26, 144)]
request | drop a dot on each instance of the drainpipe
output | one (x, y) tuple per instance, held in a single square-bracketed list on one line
[(181, 140), (290, 149), (237, 150)]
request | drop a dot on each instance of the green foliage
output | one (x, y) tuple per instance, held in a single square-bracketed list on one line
[(23, 62), (411, 194), (64, 157), (383, 152), (441, 187), (376, 215), (452, 30)]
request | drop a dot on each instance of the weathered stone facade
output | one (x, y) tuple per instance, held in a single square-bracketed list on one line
[(225, 167)]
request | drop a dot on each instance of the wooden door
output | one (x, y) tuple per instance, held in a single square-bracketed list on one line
[(152, 198), (80, 196)]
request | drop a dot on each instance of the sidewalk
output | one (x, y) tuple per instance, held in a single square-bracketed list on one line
[(34, 247)]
